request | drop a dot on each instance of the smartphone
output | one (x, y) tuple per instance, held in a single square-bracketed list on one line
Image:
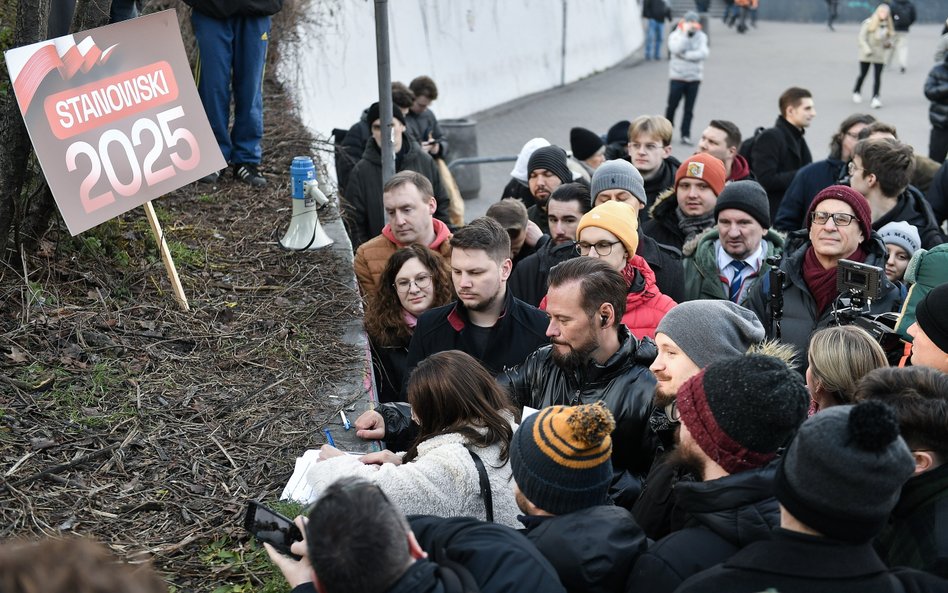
[(270, 526)]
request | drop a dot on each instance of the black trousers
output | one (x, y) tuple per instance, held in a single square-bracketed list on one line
[(876, 77)]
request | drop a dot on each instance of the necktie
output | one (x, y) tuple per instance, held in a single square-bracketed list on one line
[(736, 280)]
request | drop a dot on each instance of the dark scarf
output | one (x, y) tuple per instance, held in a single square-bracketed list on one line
[(692, 225), (822, 282)]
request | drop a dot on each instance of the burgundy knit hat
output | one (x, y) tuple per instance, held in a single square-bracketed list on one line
[(741, 410), (856, 201)]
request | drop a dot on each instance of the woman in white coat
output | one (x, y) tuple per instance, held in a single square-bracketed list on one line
[(875, 41), (461, 411)]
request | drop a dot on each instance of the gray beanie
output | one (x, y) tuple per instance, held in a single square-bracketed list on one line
[(748, 196), (843, 473), (902, 234), (618, 174), (708, 331)]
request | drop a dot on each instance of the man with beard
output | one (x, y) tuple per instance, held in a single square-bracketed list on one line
[(567, 205), (485, 321), (735, 416), (547, 169), (559, 458), (728, 260), (690, 336), (593, 357)]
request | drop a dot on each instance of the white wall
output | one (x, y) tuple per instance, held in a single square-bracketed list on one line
[(481, 53)]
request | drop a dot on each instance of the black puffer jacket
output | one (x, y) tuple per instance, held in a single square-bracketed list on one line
[(365, 214), (623, 383), (529, 279), (936, 90), (592, 549), (658, 184), (222, 9), (723, 516), (800, 317), (912, 208), (776, 156)]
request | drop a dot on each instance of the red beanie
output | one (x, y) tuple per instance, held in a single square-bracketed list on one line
[(856, 201), (706, 168)]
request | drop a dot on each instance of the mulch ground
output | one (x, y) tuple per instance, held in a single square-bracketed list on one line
[(126, 419)]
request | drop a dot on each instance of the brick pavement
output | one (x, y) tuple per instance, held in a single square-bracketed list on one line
[(743, 78)]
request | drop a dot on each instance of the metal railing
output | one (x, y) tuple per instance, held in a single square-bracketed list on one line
[(479, 160)]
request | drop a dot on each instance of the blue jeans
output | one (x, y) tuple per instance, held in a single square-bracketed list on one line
[(231, 55), (676, 90), (653, 39)]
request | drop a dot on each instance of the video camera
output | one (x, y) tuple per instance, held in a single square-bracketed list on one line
[(861, 283)]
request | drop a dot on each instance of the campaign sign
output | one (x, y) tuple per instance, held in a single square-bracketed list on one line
[(114, 116)]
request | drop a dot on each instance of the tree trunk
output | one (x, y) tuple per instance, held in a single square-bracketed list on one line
[(91, 14), (16, 148)]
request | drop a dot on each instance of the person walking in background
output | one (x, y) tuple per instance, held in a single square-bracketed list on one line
[(936, 90), (832, 11), (656, 12), (688, 46), (903, 15), (875, 41)]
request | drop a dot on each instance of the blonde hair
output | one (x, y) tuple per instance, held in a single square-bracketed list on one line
[(653, 125), (840, 357), (875, 19)]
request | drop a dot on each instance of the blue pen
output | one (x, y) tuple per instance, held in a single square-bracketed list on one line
[(329, 437)]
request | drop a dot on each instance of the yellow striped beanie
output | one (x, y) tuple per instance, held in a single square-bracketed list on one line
[(561, 457)]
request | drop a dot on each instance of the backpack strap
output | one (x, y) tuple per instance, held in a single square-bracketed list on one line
[(485, 486)]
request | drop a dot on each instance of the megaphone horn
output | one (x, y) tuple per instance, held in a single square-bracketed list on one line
[(305, 232)]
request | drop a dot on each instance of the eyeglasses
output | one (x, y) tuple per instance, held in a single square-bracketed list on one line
[(404, 285), (672, 413), (852, 168), (853, 135), (603, 248), (839, 218)]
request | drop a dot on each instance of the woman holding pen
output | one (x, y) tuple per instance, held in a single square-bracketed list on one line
[(459, 465)]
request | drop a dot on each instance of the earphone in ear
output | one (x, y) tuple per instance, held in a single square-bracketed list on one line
[(603, 320)]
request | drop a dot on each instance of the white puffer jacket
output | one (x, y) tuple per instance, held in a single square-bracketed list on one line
[(688, 54), (441, 481)]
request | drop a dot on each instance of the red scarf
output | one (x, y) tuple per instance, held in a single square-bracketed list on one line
[(822, 282)]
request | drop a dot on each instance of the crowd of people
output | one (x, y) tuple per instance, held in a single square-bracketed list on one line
[(728, 373)]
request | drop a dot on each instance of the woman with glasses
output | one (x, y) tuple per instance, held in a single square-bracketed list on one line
[(610, 232), (414, 280), (459, 465)]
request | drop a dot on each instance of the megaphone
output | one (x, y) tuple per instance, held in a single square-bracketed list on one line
[(305, 232)]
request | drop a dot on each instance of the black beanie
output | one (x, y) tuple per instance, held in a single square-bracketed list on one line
[(561, 457), (375, 113), (932, 318), (844, 471), (741, 410), (584, 143), (619, 132), (553, 159), (748, 196)]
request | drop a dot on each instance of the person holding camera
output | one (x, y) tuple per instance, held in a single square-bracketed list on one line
[(838, 228), (688, 46)]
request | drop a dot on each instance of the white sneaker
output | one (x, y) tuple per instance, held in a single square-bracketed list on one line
[(857, 98), (875, 103)]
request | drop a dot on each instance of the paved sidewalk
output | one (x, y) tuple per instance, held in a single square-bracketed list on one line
[(744, 76)]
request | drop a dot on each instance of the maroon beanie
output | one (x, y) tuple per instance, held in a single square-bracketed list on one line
[(856, 201), (741, 410)]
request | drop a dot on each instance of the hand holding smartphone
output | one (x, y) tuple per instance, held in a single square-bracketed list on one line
[(271, 527)]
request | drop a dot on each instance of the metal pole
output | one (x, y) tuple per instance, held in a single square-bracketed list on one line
[(563, 51), (385, 89)]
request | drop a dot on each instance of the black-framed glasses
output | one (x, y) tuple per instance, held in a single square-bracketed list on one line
[(403, 285), (672, 413), (603, 248), (839, 218)]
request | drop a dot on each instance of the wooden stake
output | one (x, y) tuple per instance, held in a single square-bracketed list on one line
[(166, 257)]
